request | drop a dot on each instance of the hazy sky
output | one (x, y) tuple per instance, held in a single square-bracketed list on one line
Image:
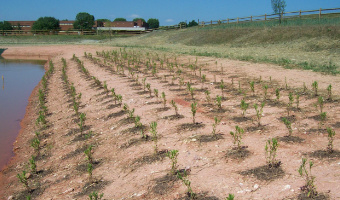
[(169, 12)]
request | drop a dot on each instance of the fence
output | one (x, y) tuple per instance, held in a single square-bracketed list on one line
[(284, 15), (45, 32)]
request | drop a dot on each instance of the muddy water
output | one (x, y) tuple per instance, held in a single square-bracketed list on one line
[(17, 80)]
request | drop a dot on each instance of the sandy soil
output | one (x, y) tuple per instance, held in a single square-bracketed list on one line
[(125, 166)]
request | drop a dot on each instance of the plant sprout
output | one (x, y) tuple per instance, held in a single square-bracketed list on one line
[(88, 153), (290, 103), (329, 91), (315, 88), (288, 125), (259, 112), (173, 103), (331, 134), (244, 107), (33, 164), (193, 110), (271, 149), (164, 99), (187, 183), (309, 186), (252, 86), (22, 178), (155, 91), (265, 87), (173, 154), (216, 122), (219, 102), (277, 93), (153, 126), (81, 123), (237, 136), (207, 95), (96, 196), (222, 86)]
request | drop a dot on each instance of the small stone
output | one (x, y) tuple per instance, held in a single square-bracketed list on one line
[(28, 175), (10, 198), (286, 187), (256, 186)]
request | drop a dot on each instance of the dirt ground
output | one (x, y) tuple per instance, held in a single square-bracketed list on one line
[(125, 166)]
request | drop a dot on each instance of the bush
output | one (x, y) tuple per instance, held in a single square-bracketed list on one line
[(153, 23), (46, 23)]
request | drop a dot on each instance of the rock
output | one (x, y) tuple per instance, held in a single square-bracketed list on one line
[(286, 187), (10, 198), (256, 186), (28, 175)]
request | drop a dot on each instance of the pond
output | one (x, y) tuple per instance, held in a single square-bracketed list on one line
[(18, 78)]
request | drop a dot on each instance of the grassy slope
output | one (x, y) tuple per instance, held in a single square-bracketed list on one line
[(311, 46)]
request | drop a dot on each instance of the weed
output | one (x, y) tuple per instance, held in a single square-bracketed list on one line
[(33, 164), (237, 136), (244, 107), (288, 125), (259, 112), (315, 88), (153, 126), (96, 196), (164, 99), (271, 150), (309, 187), (193, 110), (173, 154), (331, 134), (219, 102), (216, 122), (173, 103), (23, 179)]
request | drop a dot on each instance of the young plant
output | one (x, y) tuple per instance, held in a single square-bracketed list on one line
[(216, 122), (203, 79), (148, 86), (90, 170), (237, 136), (265, 88), (222, 86), (309, 187), (331, 134), (36, 145), (187, 183), (96, 196), (143, 81), (323, 117), (207, 95), (288, 125), (320, 103), (230, 197), (82, 118), (252, 87), (153, 126), (119, 98), (23, 179), (33, 164), (315, 87), (290, 103), (259, 112), (219, 102), (155, 91), (193, 110), (329, 91), (173, 154), (88, 154), (105, 88), (297, 101), (244, 107), (131, 113), (173, 103), (277, 93), (271, 150), (164, 99)]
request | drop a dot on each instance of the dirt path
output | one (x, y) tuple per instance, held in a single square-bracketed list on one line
[(125, 165)]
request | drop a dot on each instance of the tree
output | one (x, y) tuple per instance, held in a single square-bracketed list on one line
[(192, 23), (182, 24), (84, 21), (278, 7), (6, 26), (153, 23), (46, 23), (120, 19), (135, 19)]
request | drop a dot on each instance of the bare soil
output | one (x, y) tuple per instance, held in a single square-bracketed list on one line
[(126, 166)]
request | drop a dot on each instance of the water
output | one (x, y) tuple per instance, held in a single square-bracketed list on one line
[(19, 79)]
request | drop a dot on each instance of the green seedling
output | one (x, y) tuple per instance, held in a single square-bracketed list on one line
[(297, 101), (259, 112), (131, 113), (173, 103), (119, 98), (148, 86), (252, 87), (114, 95), (82, 118), (88, 154), (203, 79), (137, 122), (96, 196), (309, 187), (144, 84), (244, 107), (239, 87), (216, 122), (277, 93), (207, 96), (230, 197), (329, 91), (153, 129), (315, 87), (41, 120), (288, 125), (271, 150), (90, 170), (36, 145), (23, 179), (237, 136), (323, 117), (331, 134), (321, 103), (155, 91), (193, 110), (33, 164), (76, 107), (286, 84), (265, 88), (105, 88), (125, 107), (164, 99), (187, 183), (290, 103), (173, 154), (222, 86), (219, 102), (192, 92)]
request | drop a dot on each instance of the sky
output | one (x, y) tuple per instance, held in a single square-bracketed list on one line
[(169, 12)]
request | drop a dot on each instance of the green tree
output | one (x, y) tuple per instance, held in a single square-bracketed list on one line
[(6, 26), (278, 7), (135, 19), (153, 23), (46, 23), (120, 19), (84, 21), (192, 23)]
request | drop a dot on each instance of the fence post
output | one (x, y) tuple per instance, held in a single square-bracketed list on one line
[(228, 21), (320, 14), (237, 19), (211, 22), (265, 17), (300, 14), (251, 18)]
